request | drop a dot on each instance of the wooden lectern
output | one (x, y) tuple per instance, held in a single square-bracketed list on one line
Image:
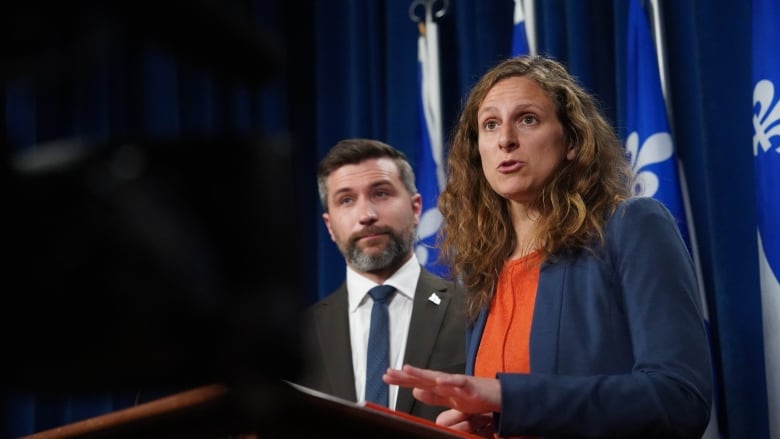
[(283, 410)]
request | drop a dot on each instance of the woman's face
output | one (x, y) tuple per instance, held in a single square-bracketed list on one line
[(521, 140)]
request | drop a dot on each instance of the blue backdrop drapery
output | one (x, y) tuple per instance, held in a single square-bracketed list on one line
[(349, 70)]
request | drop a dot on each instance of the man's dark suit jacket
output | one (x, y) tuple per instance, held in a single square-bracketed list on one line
[(437, 335)]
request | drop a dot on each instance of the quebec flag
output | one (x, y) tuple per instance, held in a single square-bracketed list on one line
[(766, 150), (520, 44), (649, 143), (430, 149)]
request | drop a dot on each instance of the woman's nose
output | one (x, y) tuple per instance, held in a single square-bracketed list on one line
[(507, 139)]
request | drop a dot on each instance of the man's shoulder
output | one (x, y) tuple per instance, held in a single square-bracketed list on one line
[(435, 281), (331, 299), (449, 287)]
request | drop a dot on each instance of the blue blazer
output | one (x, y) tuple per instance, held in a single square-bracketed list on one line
[(618, 343)]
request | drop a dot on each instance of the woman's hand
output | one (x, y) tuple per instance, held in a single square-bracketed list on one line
[(467, 394), (481, 425)]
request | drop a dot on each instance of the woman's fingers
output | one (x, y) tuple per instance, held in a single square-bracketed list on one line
[(481, 424), (451, 417), (430, 397), (465, 393), (413, 377), (400, 378)]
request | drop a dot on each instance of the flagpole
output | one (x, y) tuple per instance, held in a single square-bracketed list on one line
[(657, 28), (660, 43), (658, 31)]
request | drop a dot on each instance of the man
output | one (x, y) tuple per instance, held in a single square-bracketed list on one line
[(372, 209)]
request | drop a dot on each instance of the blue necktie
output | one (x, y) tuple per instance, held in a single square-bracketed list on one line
[(378, 354)]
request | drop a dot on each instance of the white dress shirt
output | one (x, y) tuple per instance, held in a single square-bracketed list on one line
[(400, 308)]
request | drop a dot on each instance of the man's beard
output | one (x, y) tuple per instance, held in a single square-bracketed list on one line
[(393, 254)]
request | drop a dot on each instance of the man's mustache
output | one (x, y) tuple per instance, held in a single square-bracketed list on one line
[(370, 231)]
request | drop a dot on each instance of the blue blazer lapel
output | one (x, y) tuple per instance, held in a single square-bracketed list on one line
[(473, 337), (545, 327)]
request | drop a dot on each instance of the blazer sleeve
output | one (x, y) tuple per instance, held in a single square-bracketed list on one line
[(657, 380)]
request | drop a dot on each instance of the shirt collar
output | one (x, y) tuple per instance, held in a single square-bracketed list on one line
[(404, 280)]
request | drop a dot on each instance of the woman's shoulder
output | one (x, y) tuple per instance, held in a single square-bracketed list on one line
[(640, 206), (640, 214)]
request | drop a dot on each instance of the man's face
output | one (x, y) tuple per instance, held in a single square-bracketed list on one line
[(371, 216)]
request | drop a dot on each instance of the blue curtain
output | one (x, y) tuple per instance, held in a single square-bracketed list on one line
[(348, 69)]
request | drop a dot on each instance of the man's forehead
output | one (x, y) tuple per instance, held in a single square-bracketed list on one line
[(366, 173)]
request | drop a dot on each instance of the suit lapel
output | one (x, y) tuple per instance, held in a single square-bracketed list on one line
[(333, 337), (424, 328), (545, 324), (473, 338), (547, 317)]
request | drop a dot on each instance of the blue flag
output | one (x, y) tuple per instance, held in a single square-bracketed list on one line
[(650, 146), (766, 150), (649, 142), (430, 148), (519, 35)]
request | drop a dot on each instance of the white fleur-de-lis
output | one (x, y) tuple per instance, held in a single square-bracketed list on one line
[(429, 225), (766, 122), (657, 148)]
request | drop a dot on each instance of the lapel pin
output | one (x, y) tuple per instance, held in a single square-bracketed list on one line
[(435, 298)]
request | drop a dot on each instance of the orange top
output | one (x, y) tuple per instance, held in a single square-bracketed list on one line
[(504, 346)]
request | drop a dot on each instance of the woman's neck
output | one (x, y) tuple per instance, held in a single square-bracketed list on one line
[(525, 225)]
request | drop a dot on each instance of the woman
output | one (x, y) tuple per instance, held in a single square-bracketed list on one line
[(583, 304)]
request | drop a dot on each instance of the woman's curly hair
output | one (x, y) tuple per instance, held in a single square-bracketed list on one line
[(477, 236)]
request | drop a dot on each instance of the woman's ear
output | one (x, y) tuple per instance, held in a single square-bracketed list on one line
[(571, 153)]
